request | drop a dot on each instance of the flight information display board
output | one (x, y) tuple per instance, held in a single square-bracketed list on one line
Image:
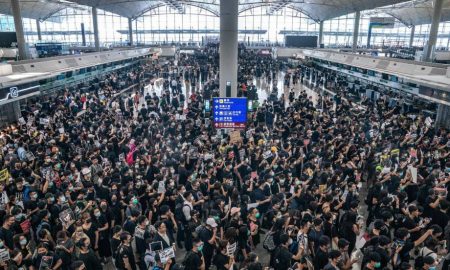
[(230, 112)]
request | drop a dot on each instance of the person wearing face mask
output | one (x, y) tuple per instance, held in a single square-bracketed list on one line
[(194, 259), (103, 245), (314, 235), (334, 256), (20, 243), (142, 237), (64, 250), (87, 255), (374, 262), (283, 258), (124, 255), (43, 253), (429, 263), (321, 256), (405, 244), (31, 205), (17, 260)]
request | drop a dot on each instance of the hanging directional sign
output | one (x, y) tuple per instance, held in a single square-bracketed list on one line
[(230, 112)]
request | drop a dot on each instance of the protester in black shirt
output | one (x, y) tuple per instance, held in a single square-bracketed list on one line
[(194, 259)]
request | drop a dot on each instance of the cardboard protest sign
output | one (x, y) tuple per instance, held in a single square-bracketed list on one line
[(322, 188), (235, 137)]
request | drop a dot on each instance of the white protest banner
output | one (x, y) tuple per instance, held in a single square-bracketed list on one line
[(166, 254), (413, 171), (44, 121), (231, 249), (242, 154), (139, 233), (161, 187), (67, 217), (22, 121), (4, 255), (267, 154), (29, 155)]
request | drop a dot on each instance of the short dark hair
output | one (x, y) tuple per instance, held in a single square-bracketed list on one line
[(334, 254)]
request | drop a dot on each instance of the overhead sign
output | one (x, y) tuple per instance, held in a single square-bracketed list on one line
[(14, 92), (230, 112), (382, 22)]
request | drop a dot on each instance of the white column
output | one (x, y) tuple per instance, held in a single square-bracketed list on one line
[(130, 31), (95, 24), (411, 37), (17, 14), (38, 28), (356, 30), (437, 11), (228, 46), (320, 33)]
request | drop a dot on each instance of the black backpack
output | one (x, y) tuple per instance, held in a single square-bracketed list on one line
[(179, 215), (418, 262)]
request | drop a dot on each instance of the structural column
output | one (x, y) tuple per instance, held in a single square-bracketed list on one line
[(95, 23), (411, 37), (356, 30), (320, 33), (17, 14), (130, 31), (38, 28), (228, 47), (443, 116), (437, 11)]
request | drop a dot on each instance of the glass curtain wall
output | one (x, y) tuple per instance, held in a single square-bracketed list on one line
[(164, 25)]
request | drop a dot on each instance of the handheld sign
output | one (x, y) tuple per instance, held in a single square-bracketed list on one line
[(166, 254), (67, 217), (4, 255)]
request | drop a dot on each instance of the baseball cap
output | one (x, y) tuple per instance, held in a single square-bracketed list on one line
[(211, 222)]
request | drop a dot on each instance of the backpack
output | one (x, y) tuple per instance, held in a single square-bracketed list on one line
[(187, 259), (268, 242), (277, 264), (418, 262), (179, 215)]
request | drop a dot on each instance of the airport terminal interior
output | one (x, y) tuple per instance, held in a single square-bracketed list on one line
[(224, 134)]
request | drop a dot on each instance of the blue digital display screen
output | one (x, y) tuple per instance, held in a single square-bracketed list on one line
[(229, 112)]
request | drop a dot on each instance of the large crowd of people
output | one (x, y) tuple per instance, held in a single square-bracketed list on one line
[(92, 179)]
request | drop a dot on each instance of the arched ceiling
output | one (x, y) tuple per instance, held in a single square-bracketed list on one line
[(412, 12)]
